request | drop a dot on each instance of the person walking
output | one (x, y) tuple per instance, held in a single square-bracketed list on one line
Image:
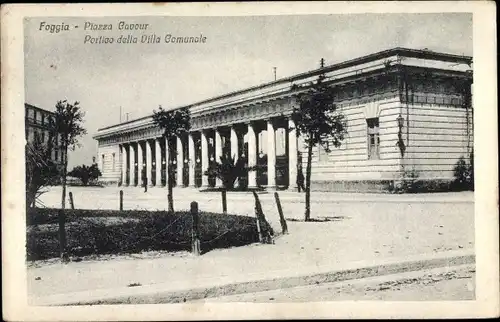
[(144, 179), (300, 180)]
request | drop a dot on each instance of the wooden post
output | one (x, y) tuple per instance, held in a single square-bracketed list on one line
[(224, 202), (71, 202), (258, 211), (62, 235), (284, 227), (121, 200), (195, 232)]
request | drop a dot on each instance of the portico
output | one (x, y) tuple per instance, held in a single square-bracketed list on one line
[(144, 156)]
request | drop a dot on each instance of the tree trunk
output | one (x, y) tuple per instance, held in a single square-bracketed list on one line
[(62, 215), (308, 183), (170, 198), (64, 170)]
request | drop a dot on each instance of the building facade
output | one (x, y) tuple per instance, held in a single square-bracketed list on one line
[(36, 127), (407, 110)]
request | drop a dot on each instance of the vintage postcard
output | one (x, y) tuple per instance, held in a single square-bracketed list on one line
[(185, 161)]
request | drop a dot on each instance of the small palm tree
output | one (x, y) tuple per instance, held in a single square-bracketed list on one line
[(41, 171), (227, 170)]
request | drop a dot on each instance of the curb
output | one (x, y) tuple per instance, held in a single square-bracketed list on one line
[(250, 283)]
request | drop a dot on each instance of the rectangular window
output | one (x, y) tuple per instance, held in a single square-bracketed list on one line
[(322, 152), (56, 154), (373, 138), (113, 162)]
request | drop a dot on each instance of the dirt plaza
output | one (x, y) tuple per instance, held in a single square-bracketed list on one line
[(347, 228)]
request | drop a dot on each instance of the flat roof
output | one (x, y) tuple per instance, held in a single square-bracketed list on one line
[(37, 108)]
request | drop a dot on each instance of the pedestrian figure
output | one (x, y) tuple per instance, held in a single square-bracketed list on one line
[(144, 180), (300, 180)]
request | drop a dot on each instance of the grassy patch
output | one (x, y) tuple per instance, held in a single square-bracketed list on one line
[(91, 232)]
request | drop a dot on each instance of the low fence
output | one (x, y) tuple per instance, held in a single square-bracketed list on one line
[(79, 232)]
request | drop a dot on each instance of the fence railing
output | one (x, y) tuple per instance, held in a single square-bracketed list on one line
[(198, 243)]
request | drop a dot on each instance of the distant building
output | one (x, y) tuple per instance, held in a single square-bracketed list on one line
[(407, 111), (37, 126)]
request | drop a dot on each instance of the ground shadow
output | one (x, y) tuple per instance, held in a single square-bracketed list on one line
[(320, 219)]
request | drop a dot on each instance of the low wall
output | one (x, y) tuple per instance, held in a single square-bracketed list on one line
[(383, 186), (353, 186)]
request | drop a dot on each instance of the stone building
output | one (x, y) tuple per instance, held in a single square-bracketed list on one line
[(407, 111), (36, 125)]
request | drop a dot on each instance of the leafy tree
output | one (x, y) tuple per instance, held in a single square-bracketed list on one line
[(67, 123), (319, 122), (41, 170), (173, 123), (85, 173)]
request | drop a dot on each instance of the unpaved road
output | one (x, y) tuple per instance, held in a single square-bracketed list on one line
[(452, 284)]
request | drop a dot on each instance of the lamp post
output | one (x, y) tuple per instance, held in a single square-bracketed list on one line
[(401, 143), (401, 121)]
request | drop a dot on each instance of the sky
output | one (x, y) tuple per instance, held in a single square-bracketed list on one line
[(239, 52)]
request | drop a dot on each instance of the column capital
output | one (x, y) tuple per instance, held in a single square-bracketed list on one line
[(271, 121)]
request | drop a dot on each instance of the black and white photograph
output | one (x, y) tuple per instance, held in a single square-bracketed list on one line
[(234, 159)]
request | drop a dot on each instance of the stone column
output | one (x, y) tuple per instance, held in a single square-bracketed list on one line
[(180, 162), (101, 157), (204, 159), (252, 156), (149, 164), (192, 160), (158, 162), (131, 155), (218, 154), (140, 159), (271, 155), (234, 144), (124, 165), (292, 155)]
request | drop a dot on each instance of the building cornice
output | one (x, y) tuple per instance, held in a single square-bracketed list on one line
[(374, 65)]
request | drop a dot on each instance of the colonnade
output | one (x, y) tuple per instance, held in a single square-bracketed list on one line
[(147, 161)]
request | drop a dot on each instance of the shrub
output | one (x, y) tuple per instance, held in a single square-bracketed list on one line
[(464, 174), (85, 173), (409, 183), (92, 232)]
